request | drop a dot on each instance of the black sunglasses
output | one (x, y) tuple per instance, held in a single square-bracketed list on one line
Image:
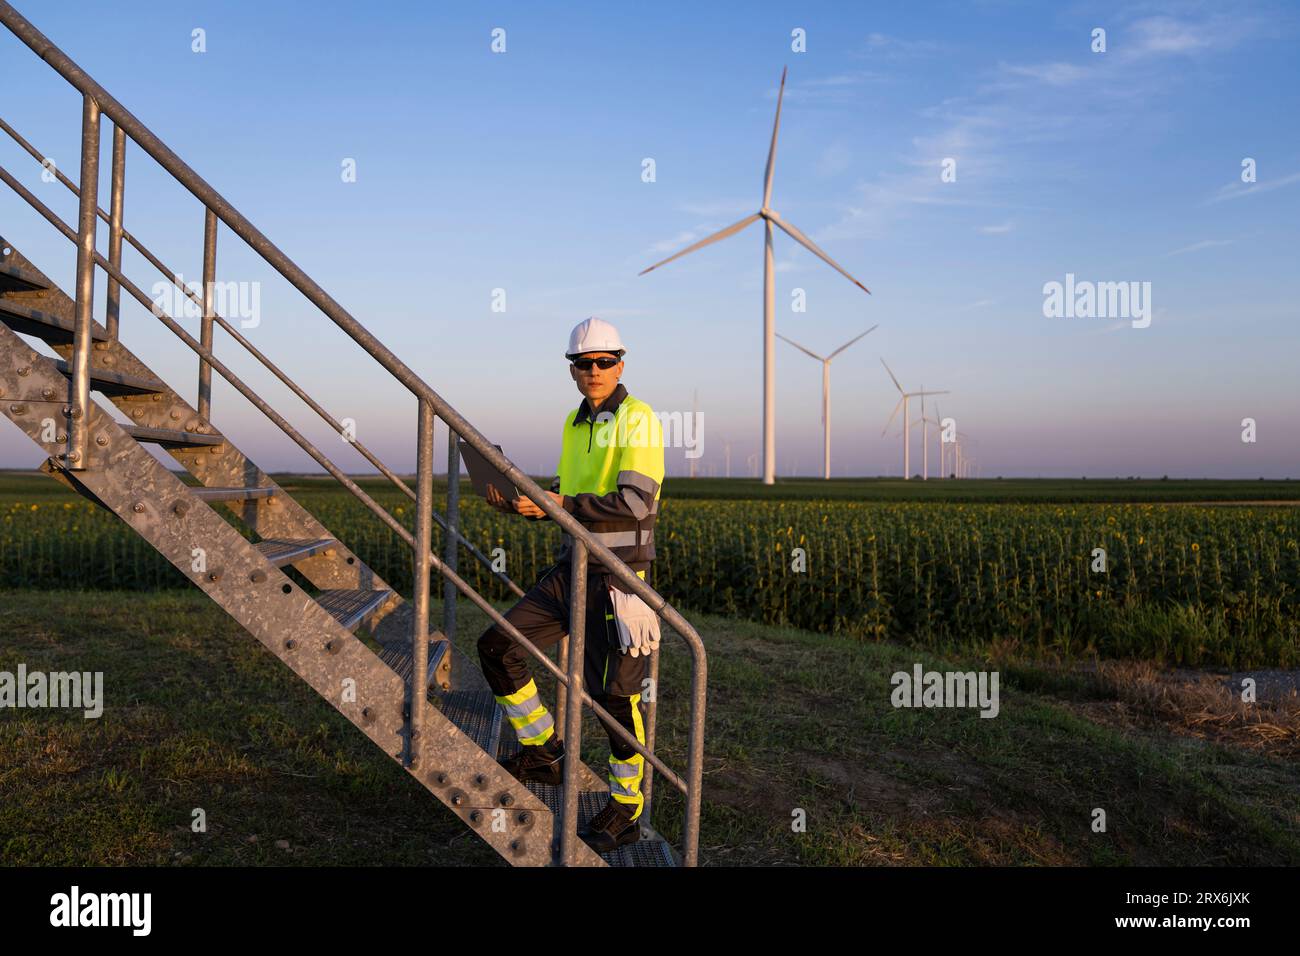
[(585, 364)]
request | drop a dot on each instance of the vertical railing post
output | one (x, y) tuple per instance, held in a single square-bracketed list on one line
[(450, 549), (113, 298), (87, 223), (573, 716), (652, 711), (420, 599), (561, 692), (209, 310)]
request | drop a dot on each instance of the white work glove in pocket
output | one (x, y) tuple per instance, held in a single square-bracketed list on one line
[(638, 625)]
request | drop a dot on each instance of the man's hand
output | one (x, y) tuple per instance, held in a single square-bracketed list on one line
[(529, 509), (496, 500)]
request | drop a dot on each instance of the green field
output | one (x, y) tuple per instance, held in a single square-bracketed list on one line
[(199, 714), (1185, 583)]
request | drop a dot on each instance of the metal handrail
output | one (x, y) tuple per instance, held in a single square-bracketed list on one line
[(115, 229), (97, 100)]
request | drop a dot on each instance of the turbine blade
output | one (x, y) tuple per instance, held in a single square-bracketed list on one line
[(891, 375), (721, 234), (944, 392), (885, 430), (771, 151), (811, 246), (801, 348), (850, 342)]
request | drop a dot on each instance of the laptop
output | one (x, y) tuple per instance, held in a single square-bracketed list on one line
[(483, 473)]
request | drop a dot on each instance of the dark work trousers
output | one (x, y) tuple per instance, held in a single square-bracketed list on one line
[(542, 615)]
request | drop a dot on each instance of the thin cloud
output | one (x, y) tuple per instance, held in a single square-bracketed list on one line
[(1203, 244), (1237, 189), (1053, 74), (1000, 229)]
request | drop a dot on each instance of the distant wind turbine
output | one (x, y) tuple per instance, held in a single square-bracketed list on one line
[(826, 393), (902, 403), (770, 219), (925, 441)]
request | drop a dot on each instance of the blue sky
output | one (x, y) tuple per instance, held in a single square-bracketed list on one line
[(522, 171)]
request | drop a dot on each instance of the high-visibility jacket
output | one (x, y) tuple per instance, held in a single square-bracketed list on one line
[(610, 474)]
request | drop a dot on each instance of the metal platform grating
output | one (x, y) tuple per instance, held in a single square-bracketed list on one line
[(350, 607), (285, 551), (477, 715)]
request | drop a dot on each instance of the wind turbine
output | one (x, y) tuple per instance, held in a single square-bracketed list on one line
[(925, 439), (826, 393), (902, 402), (770, 219), (938, 423)]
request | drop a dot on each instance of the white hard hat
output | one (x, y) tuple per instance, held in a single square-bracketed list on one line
[(594, 335)]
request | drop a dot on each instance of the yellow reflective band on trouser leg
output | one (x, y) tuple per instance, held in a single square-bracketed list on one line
[(527, 715), (625, 775)]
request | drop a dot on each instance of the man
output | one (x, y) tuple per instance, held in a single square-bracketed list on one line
[(609, 477)]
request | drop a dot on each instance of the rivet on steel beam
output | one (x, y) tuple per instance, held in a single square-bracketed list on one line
[(175, 414), (215, 450), (506, 800), (137, 413), (189, 426), (101, 346), (18, 409), (367, 714), (476, 816), (157, 398), (214, 576), (441, 778), (517, 847), (258, 577), (290, 644), (181, 508), (457, 799), (523, 817), (74, 456), (101, 440), (61, 437), (47, 392), (137, 507), (480, 779), (67, 409), (75, 413), (25, 370)]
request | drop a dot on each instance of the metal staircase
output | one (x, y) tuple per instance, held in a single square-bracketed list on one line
[(234, 532)]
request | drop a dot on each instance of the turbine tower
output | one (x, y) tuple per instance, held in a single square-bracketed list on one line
[(826, 393), (770, 219), (902, 403)]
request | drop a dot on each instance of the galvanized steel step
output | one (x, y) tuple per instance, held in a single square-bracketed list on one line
[(232, 494), (17, 280), (398, 657), (476, 714), (281, 552), (171, 438), (111, 382), (351, 606), (36, 322)]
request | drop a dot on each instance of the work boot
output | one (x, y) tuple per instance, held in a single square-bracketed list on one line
[(543, 763), (612, 827)]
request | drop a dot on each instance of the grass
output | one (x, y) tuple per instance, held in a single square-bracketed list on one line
[(198, 714)]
